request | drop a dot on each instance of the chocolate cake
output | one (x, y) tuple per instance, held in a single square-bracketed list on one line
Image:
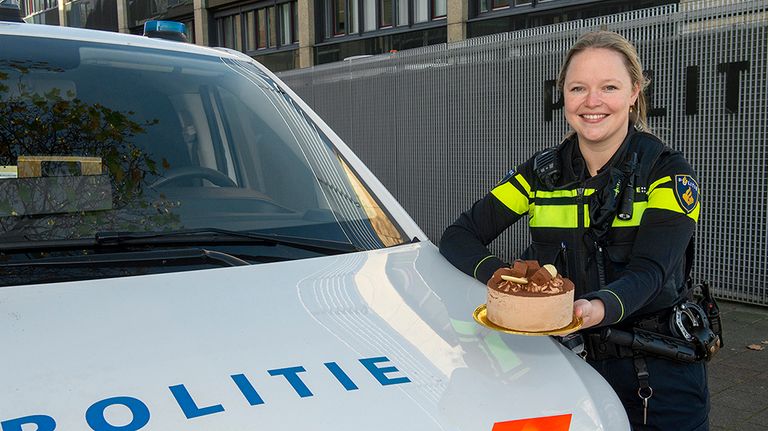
[(529, 297)]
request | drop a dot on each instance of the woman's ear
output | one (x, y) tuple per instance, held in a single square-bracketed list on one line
[(635, 94)]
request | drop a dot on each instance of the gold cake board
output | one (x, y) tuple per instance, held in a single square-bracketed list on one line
[(481, 317)]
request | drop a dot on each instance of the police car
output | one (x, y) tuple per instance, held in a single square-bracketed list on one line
[(185, 245)]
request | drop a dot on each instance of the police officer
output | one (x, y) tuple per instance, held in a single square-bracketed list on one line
[(614, 209)]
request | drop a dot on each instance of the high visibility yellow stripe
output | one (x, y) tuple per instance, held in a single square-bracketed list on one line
[(586, 215), (511, 197), (560, 216), (555, 194), (527, 187), (659, 182), (664, 198), (638, 208), (562, 193)]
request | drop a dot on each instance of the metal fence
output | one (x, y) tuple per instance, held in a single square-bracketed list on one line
[(441, 125)]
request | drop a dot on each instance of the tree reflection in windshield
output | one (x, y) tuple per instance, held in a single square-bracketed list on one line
[(48, 135)]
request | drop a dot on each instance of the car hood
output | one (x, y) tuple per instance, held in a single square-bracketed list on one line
[(378, 340)]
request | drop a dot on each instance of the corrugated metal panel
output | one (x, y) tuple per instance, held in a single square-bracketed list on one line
[(441, 125)]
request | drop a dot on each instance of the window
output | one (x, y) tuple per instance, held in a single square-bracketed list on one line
[(491, 5), (339, 16), (386, 13), (230, 31), (250, 29), (402, 12), (354, 17), (439, 9), (369, 14), (272, 42), (189, 28), (30, 7), (421, 10), (40, 11), (286, 32), (342, 16), (262, 24)]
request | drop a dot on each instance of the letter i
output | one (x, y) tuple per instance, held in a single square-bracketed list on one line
[(341, 376)]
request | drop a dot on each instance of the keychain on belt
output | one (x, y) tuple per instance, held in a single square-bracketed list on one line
[(644, 391)]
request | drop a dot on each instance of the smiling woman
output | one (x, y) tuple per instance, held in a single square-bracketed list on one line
[(599, 94), (608, 208)]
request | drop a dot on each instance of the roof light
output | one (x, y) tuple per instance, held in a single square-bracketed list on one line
[(10, 11), (170, 30)]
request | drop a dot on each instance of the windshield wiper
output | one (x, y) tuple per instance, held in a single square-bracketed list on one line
[(157, 257), (211, 236)]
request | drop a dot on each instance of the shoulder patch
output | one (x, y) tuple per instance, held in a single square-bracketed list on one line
[(686, 192), (507, 177)]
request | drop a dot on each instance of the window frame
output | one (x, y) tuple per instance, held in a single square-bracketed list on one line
[(273, 20), (327, 16)]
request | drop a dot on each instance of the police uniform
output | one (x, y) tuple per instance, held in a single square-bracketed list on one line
[(635, 265)]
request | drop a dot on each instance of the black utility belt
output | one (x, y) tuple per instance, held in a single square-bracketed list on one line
[(685, 334), (611, 343)]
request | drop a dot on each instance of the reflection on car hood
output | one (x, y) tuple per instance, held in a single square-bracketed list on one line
[(378, 340)]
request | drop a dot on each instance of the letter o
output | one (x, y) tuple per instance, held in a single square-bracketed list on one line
[(95, 414)]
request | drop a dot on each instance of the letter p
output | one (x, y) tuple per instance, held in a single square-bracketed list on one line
[(43, 422)]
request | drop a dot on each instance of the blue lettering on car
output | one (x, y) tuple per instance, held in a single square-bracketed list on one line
[(140, 413)]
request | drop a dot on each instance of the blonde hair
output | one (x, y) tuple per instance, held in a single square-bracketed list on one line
[(617, 43)]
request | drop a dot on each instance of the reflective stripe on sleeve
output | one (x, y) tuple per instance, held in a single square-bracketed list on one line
[(621, 304), (662, 196), (511, 196), (474, 273)]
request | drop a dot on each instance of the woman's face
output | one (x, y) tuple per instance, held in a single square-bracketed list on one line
[(598, 92)]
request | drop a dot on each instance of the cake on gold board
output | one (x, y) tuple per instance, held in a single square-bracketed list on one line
[(531, 298)]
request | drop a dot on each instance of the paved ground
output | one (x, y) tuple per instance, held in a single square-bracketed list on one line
[(738, 376)]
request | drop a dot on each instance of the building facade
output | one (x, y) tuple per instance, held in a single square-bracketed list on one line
[(290, 34)]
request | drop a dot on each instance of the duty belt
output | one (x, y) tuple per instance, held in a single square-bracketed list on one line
[(661, 335)]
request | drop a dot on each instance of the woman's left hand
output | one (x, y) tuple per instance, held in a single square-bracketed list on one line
[(591, 311)]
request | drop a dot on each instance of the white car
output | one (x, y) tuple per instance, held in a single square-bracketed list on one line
[(185, 245)]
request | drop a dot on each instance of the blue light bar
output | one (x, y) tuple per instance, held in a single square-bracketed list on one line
[(171, 30)]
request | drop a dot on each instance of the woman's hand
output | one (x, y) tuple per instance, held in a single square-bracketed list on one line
[(591, 311)]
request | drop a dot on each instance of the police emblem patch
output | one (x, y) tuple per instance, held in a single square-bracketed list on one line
[(686, 192)]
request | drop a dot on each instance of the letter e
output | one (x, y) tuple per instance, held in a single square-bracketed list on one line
[(380, 373)]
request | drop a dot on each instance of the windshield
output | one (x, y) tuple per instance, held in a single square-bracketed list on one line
[(103, 138)]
